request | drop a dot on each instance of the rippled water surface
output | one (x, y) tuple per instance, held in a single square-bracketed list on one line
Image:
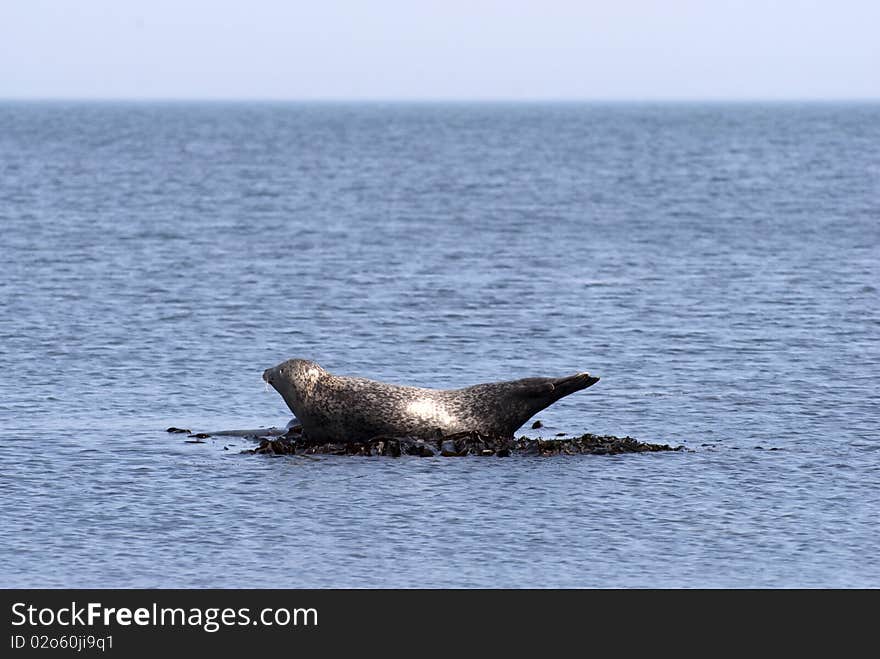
[(717, 265)]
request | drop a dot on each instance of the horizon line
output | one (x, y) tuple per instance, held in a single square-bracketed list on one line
[(438, 100)]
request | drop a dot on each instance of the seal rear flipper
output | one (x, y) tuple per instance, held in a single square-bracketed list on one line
[(572, 383), (535, 386)]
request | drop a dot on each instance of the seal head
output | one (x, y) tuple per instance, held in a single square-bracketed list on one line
[(295, 380)]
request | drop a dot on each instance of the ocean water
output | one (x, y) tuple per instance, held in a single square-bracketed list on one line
[(717, 265)]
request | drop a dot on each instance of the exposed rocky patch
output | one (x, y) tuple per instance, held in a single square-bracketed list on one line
[(459, 445)]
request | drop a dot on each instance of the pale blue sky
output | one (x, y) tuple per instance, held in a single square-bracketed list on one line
[(451, 49)]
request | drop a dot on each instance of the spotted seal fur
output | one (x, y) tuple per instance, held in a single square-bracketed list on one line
[(335, 408)]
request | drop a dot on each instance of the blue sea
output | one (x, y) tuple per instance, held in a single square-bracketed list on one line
[(718, 266)]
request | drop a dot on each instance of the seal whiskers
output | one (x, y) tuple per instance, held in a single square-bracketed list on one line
[(340, 408)]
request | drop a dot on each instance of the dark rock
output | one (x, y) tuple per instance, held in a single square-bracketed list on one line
[(173, 429), (201, 435), (537, 424), (410, 447), (460, 444)]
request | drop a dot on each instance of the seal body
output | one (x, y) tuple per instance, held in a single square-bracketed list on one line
[(336, 408)]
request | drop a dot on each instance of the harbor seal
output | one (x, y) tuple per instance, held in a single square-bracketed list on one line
[(335, 408)]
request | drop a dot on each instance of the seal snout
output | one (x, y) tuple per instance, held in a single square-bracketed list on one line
[(267, 375)]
